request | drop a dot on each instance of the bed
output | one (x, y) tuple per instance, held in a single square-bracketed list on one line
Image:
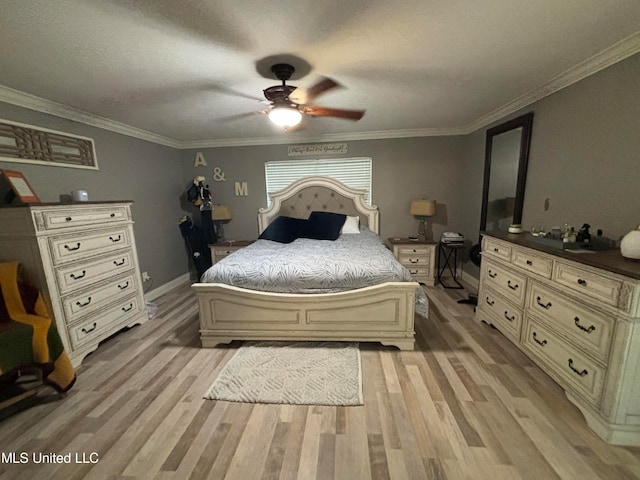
[(374, 300)]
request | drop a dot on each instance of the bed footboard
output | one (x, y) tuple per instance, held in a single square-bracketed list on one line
[(381, 313)]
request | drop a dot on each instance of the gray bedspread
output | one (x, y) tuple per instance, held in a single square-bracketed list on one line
[(314, 266)]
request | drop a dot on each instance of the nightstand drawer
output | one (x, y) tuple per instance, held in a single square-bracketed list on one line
[(413, 260), (413, 250)]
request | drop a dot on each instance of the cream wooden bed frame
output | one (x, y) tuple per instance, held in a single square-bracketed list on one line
[(381, 313)]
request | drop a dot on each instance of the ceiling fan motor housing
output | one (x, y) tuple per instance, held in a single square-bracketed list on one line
[(279, 94)]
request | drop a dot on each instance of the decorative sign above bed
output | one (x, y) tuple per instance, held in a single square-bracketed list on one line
[(34, 145), (317, 149)]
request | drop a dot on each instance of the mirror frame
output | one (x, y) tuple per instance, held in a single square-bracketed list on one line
[(525, 122)]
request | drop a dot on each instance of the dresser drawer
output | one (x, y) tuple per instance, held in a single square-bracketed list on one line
[(73, 247), (532, 263), (589, 329), (419, 271), (80, 275), (497, 249), (589, 283), (571, 367), (79, 216), (504, 281), (83, 303), (104, 324), (500, 313)]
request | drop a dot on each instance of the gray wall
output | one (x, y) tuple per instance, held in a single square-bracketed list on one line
[(129, 169), (403, 170), (584, 159)]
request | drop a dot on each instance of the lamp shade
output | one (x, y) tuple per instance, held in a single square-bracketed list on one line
[(221, 212), (423, 208), (285, 116)]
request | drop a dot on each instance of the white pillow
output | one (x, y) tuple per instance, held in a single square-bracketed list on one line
[(351, 225)]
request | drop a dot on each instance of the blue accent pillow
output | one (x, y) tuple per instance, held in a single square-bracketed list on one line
[(324, 225), (284, 229)]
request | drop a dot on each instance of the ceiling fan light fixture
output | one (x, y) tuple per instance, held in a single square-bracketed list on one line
[(285, 116)]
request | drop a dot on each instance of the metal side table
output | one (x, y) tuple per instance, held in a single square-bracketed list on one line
[(448, 259)]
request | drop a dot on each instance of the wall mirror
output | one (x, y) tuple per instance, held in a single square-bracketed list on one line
[(505, 171)]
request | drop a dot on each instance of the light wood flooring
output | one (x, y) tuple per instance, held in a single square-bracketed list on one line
[(466, 404)]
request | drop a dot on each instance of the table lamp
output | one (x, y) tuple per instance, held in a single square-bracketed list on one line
[(422, 209), (220, 215)]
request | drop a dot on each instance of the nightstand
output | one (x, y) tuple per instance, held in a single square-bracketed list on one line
[(417, 256), (220, 250)]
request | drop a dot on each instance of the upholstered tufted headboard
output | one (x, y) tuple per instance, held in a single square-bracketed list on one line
[(319, 193)]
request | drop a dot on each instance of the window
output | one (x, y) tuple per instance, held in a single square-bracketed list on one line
[(353, 172)]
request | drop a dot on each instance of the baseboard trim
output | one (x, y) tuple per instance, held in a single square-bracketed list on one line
[(162, 289), (469, 280)]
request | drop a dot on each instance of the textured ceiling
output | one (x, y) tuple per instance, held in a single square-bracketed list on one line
[(189, 72)]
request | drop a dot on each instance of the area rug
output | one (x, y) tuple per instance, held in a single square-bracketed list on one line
[(299, 373)]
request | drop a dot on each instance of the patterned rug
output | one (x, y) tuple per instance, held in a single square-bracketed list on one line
[(301, 373)]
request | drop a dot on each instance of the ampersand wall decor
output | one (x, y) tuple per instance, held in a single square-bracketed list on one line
[(218, 175)]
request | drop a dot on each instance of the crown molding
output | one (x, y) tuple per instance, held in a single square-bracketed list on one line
[(623, 49), (32, 102), (332, 137)]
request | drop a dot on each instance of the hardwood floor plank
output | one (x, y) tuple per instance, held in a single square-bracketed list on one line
[(465, 404)]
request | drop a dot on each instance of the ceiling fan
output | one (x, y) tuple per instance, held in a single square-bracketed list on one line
[(289, 103)]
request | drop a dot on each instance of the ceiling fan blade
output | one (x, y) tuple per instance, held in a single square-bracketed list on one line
[(316, 111), (307, 95)]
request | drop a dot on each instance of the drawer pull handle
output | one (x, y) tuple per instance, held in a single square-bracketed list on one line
[(127, 309), (115, 262), (112, 215), (78, 277), (496, 249), (506, 315), (529, 262), (68, 219), (413, 272), (582, 373), (513, 286), (89, 330), (542, 343), (492, 274), (71, 249), (590, 329), (546, 306), (114, 240), (80, 304), (417, 260), (489, 302), (582, 282), (122, 287)]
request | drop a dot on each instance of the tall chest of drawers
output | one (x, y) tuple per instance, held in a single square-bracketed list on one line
[(83, 258), (577, 316)]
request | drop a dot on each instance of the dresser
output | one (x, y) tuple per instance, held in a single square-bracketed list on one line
[(222, 249), (419, 257), (577, 316), (83, 259)]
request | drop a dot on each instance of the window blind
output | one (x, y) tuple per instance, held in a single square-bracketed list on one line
[(353, 172)]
